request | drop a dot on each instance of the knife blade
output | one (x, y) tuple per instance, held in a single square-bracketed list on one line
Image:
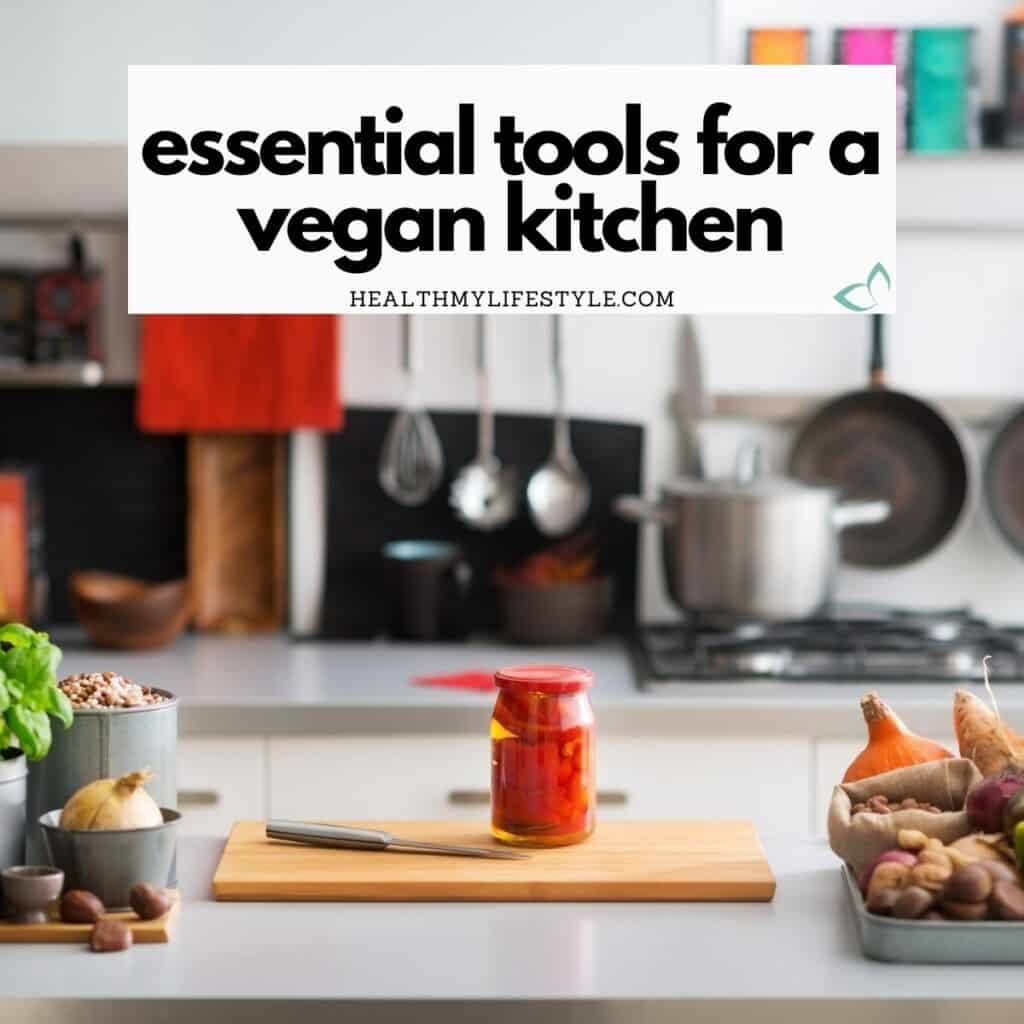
[(348, 837), (691, 400)]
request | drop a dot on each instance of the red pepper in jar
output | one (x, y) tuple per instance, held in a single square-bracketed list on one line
[(542, 756)]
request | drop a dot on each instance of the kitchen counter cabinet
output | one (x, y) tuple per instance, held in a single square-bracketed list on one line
[(794, 961), (395, 777), (220, 779)]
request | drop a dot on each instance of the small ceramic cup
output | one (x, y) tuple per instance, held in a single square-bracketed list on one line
[(29, 890)]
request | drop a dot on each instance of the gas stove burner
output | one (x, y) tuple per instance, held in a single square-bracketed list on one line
[(850, 643)]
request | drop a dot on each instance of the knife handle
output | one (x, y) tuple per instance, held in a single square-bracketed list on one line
[(343, 836)]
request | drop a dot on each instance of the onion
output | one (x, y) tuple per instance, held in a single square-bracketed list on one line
[(112, 804), (986, 803), (896, 856)]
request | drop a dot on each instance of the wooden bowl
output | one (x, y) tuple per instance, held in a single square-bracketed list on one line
[(128, 614)]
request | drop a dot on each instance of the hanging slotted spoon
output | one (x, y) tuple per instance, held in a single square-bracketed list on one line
[(412, 461), (485, 494), (558, 493)]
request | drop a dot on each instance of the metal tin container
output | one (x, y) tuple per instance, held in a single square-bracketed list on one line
[(104, 744), (934, 942), (108, 862), (13, 773)]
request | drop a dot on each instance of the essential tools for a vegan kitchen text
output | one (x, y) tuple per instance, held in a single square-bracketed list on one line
[(348, 837)]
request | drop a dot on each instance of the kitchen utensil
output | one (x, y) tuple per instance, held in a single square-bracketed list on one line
[(236, 531), (485, 495), (28, 890), (1004, 471), (933, 942), (622, 861), (562, 613), (125, 613), (108, 862), (106, 743), (750, 547), (558, 494), (411, 464), (53, 929), (690, 401), (429, 583), (350, 837), (884, 444)]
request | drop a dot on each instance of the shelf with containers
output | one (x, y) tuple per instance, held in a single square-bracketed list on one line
[(974, 189)]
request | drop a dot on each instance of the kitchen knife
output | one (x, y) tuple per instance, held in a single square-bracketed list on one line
[(690, 401), (346, 837)]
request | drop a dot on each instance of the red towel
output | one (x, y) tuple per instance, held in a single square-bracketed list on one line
[(481, 680), (249, 373)]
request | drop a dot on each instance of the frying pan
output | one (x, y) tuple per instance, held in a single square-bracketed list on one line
[(1004, 480), (884, 444)]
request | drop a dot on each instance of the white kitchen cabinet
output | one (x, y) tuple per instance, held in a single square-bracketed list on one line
[(404, 777), (831, 759), (221, 779), (765, 780), (376, 777)]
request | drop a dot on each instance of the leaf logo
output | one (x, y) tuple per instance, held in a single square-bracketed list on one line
[(863, 297)]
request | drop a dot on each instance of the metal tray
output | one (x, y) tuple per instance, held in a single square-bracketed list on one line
[(934, 942)]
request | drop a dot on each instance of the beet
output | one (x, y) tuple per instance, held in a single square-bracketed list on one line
[(987, 801), (899, 856)]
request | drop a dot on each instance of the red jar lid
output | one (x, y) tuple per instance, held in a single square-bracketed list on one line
[(544, 679)]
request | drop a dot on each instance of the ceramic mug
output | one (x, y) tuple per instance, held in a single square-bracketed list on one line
[(429, 582)]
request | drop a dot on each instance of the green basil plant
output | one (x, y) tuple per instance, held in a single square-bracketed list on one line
[(29, 694)]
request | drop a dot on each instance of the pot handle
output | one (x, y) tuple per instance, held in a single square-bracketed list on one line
[(640, 510), (860, 513)]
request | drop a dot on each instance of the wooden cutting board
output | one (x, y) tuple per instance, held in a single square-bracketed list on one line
[(621, 862), (56, 931)]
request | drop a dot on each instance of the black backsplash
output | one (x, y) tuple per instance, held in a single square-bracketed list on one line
[(116, 499), (361, 518), (113, 498)]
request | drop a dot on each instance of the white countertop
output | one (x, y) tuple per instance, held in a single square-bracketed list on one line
[(268, 684), (707, 961)]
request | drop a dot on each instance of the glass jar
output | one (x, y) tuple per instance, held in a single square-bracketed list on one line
[(542, 756)]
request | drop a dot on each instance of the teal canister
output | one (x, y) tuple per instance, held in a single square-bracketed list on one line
[(103, 744)]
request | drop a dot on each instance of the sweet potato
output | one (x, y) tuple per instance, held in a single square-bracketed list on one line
[(982, 737)]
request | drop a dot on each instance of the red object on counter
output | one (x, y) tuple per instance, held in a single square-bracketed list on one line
[(261, 374), (473, 679), (542, 756)]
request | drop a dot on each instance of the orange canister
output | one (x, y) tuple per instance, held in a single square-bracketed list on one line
[(542, 756)]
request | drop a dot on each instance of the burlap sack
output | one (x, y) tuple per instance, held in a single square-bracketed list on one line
[(859, 839)]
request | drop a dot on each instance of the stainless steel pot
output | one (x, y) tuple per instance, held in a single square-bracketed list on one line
[(750, 548)]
